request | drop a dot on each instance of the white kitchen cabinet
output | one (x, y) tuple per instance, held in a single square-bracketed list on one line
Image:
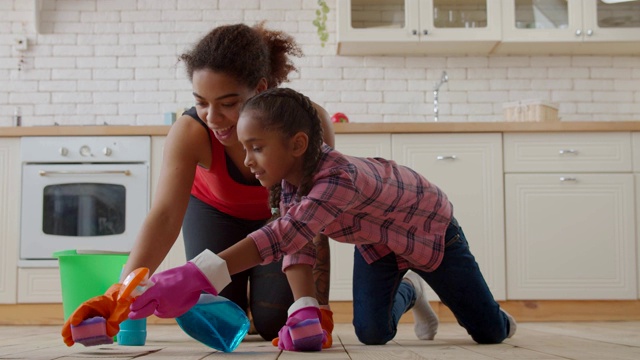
[(39, 285), (468, 168), (176, 256), (570, 27), (9, 217), (363, 145), (635, 142), (417, 26), (570, 213)]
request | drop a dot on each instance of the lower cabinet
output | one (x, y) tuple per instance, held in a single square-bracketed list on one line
[(635, 146), (176, 256), (468, 168), (570, 236), (570, 216), (39, 285), (9, 217)]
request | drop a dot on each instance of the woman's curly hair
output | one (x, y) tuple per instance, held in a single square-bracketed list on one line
[(246, 53)]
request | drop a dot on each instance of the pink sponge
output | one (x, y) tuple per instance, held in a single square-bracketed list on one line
[(307, 335), (91, 332)]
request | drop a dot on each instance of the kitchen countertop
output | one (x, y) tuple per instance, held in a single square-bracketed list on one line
[(348, 128)]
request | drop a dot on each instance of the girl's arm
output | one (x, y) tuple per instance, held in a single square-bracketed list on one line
[(241, 256), (183, 149), (244, 255), (300, 277)]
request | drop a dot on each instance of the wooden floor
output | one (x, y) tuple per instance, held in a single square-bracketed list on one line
[(567, 340)]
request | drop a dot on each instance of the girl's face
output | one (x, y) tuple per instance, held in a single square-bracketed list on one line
[(219, 98), (269, 155)]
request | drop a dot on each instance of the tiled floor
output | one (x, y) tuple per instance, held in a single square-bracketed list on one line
[(579, 340)]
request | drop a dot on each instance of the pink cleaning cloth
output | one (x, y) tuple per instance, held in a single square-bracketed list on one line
[(91, 332)]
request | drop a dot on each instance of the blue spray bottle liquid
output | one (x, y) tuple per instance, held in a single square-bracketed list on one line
[(134, 332), (216, 322)]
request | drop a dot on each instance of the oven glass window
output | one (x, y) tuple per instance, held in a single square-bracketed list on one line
[(84, 209)]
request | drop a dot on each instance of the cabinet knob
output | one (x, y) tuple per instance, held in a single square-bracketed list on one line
[(107, 151), (414, 32), (63, 151), (578, 32), (589, 32), (425, 32)]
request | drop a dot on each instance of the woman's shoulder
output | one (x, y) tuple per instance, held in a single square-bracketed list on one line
[(188, 139)]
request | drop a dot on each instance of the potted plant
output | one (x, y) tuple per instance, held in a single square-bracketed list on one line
[(320, 22)]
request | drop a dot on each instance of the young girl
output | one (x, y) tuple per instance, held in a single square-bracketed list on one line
[(397, 219)]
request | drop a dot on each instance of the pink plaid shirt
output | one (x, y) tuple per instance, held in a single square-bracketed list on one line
[(374, 203)]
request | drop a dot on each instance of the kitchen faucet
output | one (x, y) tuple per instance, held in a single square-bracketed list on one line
[(443, 79)]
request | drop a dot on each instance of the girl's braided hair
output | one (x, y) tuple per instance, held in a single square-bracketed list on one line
[(288, 112)]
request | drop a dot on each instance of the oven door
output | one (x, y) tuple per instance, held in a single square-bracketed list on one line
[(82, 206)]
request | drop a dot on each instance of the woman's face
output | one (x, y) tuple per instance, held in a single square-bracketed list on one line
[(219, 98)]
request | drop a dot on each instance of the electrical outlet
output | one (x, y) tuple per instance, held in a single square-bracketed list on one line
[(20, 43)]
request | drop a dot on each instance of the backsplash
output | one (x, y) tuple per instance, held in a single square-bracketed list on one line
[(115, 62)]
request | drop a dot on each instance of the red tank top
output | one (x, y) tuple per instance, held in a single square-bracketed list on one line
[(215, 187)]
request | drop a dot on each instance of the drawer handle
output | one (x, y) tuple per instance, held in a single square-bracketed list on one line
[(568, 152), (568, 179), (446, 157)]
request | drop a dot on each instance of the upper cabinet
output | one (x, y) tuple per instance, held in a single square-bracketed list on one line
[(456, 27), (417, 26), (570, 26)]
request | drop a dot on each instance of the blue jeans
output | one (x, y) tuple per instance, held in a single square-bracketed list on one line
[(380, 297)]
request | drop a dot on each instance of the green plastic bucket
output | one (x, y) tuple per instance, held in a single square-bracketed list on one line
[(85, 275)]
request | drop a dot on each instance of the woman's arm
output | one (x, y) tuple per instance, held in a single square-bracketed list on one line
[(185, 147)]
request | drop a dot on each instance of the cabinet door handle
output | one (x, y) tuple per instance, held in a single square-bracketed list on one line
[(446, 157), (568, 179), (568, 152)]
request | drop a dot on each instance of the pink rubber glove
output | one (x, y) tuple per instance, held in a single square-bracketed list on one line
[(303, 330), (175, 292)]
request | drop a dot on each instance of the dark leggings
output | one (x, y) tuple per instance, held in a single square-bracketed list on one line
[(205, 227)]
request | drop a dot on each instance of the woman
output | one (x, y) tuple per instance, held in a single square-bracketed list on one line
[(204, 187)]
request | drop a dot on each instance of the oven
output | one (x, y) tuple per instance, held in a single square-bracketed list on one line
[(84, 193)]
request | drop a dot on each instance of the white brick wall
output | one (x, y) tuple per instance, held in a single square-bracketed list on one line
[(97, 61)]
